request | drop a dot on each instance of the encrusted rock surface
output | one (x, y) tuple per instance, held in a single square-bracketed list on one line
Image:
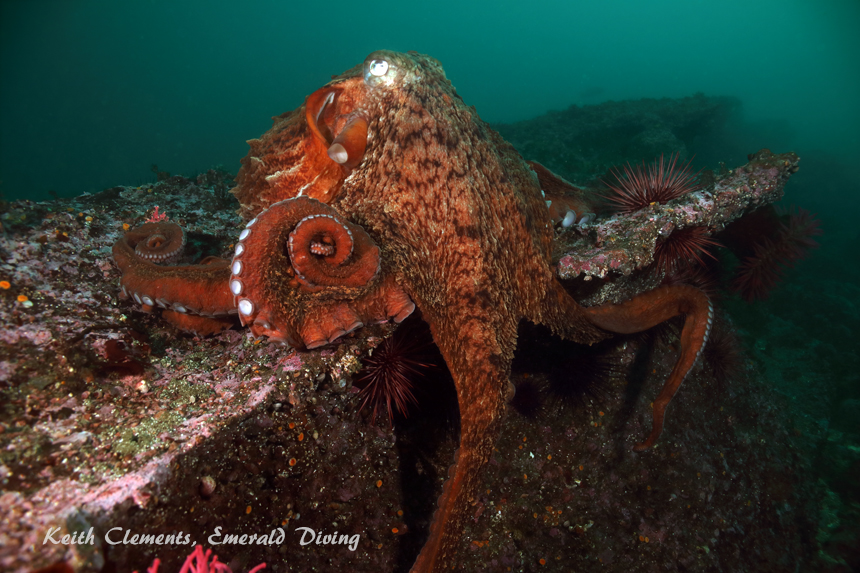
[(621, 245), (111, 418), (104, 407)]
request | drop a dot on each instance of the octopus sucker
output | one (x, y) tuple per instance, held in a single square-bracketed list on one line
[(303, 254), (384, 193)]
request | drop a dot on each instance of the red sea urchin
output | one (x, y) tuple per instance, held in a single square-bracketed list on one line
[(660, 182), (683, 248), (388, 374), (757, 274)]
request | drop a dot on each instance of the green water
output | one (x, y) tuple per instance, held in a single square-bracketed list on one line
[(95, 92)]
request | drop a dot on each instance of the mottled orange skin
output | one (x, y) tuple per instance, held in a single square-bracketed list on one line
[(461, 222)]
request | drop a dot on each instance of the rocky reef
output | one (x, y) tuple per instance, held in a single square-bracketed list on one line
[(582, 143), (112, 419)]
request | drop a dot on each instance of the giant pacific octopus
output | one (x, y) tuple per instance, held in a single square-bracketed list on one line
[(384, 192)]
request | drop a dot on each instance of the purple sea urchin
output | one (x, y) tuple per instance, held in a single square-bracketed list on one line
[(528, 398)]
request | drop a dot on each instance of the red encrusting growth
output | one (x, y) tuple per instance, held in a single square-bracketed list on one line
[(199, 562), (659, 182), (157, 217)]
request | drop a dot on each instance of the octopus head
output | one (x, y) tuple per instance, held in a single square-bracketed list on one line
[(313, 149)]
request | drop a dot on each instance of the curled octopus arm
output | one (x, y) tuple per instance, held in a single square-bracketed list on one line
[(195, 298)]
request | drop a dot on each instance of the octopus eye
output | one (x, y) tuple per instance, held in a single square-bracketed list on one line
[(384, 69), (378, 68)]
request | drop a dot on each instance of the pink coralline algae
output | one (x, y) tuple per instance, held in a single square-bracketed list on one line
[(157, 217)]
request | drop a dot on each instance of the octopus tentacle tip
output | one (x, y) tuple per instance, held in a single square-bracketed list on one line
[(161, 242), (642, 446)]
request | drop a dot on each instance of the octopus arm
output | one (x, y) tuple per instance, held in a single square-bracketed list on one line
[(306, 276), (481, 376), (199, 325), (650, 309), (181, 290)]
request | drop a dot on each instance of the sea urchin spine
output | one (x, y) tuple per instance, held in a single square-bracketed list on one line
[(388, 377), (659, 182), (757, 274), (683, 248)]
